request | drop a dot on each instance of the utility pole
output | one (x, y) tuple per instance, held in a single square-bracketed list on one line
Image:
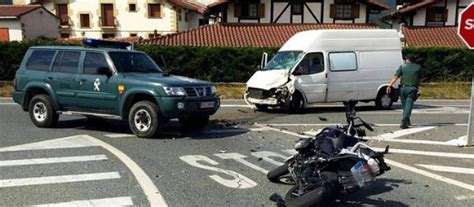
[(470, 127)]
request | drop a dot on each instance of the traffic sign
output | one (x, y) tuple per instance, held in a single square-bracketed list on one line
[(466, 26)]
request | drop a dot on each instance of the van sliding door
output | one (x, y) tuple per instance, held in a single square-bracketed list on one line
[(342, 76)]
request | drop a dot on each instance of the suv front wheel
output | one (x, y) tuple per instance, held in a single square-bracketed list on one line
[(144, 119), (42, 112)]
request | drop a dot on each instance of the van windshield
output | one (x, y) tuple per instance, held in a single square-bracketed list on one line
[(133, 62), (285, 60)]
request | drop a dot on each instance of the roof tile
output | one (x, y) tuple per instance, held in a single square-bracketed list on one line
[(432, 37), (244, 35), (16, 10)]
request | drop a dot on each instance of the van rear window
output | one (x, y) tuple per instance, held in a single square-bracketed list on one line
[(40, 60)]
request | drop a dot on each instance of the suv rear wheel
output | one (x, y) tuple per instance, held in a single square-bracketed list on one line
[(42, 112), (144, 119), (194, 123)]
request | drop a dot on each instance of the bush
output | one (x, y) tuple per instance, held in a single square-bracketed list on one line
[(225, 64), (444, 64)]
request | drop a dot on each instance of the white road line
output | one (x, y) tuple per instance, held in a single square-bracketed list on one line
[(430, 175), (77, 141), (413, 141), (377, 125), (58, 179), (51, 160), (151, 191), (119, 135), (461, 141), (403, 132), (428, 153), (235, 106), (267, 156), (4, 98), (8, 104), (464, 197), (241, 159), (450, 169), (283, 131), (118, 201)]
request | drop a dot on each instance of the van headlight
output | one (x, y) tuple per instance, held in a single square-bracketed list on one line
[(174, 91)]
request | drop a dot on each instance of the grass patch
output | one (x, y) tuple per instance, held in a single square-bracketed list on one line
[(6, 88), (448, 90)]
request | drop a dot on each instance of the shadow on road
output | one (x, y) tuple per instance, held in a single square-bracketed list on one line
[(383, 185)]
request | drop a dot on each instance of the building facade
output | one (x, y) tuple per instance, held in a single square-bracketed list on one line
[(295, 11), (22, 22), (122, 18)]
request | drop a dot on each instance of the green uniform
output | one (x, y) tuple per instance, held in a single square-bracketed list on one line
[(410, 75)]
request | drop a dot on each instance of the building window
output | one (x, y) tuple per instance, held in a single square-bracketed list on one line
[(249, 10), (203, 22), (297, 8), (108, 35), (133, 34), (344, 9), (85, 20), (178, 14), (436, 15), (108, 18), (154, 10), (65, 35), (132, 7), (61, 12)]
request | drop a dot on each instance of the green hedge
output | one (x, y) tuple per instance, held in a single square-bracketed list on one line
[(225, 64)]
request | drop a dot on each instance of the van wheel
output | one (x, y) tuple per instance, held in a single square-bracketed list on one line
[(144, 119), (296, 105), (261, 107), (194, 123), (42, 112), (384, 101)]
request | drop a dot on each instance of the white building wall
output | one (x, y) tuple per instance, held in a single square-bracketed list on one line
[(420, 18), (40, 23), (451, 6), (278, 8), (14, 29), (316, 9)]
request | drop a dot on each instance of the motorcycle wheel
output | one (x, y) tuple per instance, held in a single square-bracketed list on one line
[(275, 174), (319, 194)]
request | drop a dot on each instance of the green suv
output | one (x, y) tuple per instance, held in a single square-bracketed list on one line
[(109, 83)]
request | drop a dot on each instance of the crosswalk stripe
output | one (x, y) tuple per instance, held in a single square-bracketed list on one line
[(77, 141), (450, 169), (427, 153), (58, 179), (117, 201), (51, 160), (403, 132)]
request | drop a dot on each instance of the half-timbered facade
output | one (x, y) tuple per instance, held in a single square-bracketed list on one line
[(295, 11)]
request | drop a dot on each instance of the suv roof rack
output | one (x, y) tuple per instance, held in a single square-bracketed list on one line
[(104, 43)]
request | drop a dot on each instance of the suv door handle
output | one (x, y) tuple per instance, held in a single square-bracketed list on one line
[(50, 78)]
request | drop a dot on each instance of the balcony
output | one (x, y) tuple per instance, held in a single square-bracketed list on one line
[(65, 23), (108, 24)]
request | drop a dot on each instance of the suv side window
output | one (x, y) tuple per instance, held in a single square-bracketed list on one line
[(67, 62), (93, 61), (40, 60)]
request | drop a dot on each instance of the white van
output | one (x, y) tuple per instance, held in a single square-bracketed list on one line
[(320, 66)]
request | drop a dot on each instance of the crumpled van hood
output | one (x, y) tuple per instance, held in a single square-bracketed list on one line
[(267, 79)]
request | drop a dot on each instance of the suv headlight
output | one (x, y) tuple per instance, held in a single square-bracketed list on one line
[(174, 91), (213, 90)]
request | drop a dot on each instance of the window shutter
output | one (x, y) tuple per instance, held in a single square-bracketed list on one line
[(355, 11), (445, 15), (237, 10), (332, 12), (261, 10)]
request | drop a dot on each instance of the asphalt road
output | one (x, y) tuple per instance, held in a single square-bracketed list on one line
[(82, 162)]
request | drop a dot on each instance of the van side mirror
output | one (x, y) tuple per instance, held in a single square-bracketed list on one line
[(104, 71), (264, 61)]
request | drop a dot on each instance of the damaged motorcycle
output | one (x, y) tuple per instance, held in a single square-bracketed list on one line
[(333, 161)]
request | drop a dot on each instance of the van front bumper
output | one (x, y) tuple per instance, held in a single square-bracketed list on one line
[(267, 101), (191, 106)]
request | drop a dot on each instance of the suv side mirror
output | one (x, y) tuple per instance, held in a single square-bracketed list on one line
[(104, 71)]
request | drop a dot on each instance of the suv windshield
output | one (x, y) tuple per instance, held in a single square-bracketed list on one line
[(133, 62), (284, 60)]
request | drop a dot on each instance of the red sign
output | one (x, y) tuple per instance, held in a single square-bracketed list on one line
[(466, 26)]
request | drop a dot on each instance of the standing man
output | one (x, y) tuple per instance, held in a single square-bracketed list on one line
[(410, 74)]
